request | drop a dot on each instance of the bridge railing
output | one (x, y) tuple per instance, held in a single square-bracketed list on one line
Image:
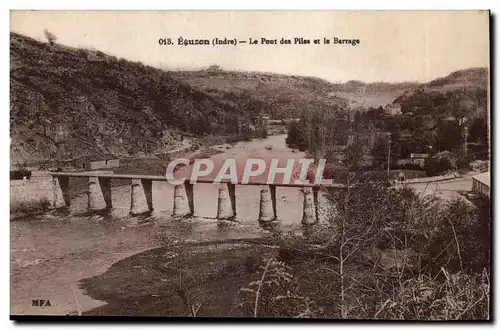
[(142, 185)]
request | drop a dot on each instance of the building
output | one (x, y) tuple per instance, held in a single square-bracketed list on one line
[(419, 159), (393, 109), (90, 163), (481, 184)]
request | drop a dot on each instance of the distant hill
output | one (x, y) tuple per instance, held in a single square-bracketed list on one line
[(474, 78), (68, 102), (360, 94), (285, 96), (279, 96), (373, 95), (463, 93)]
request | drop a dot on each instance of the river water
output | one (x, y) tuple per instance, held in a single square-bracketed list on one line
[(51, 252)]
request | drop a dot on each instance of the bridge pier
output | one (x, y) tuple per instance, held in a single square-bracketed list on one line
[(225, 208), (93, 194), (61, 192), (179, 201), (267, 209), (309, 210), (135, 190)]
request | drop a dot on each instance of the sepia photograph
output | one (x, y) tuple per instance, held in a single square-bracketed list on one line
[(322, 165)]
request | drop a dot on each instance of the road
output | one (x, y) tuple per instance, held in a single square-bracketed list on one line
[(448, 189)]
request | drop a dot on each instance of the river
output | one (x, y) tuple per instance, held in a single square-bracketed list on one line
[(51, 252)]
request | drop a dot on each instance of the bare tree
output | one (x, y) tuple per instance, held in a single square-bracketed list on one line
[(51, 38)]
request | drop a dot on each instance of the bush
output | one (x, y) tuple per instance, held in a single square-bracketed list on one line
[(393, 254), (451, 297), (438, 164)]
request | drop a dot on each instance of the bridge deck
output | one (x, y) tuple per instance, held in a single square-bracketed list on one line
[(164, 178)]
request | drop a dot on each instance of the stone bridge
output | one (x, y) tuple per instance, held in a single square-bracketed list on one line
[(184, 201)]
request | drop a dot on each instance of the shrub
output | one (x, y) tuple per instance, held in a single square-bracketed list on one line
[(438, 164), (451, 297), (393, 254), (275, 293)]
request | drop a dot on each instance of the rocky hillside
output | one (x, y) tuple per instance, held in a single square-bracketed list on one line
[(68, 102)]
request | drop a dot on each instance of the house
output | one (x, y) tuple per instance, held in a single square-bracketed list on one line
[(481, 184), (393, 109), (405, 161), (419, 159), (89, 163)]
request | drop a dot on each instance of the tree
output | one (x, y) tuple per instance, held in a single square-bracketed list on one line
[(51, 38), (214, 68), (440, 163), (380, 151), (396, 147), (296, 137), (478, 131), (449, 135)]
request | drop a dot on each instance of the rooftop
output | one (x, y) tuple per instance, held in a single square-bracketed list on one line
[(484, 178), (93, 158), (421, 155)]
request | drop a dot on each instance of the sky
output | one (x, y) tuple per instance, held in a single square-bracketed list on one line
[(394, 46)]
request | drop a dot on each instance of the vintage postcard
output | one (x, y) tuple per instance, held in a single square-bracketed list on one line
[(285, 164)]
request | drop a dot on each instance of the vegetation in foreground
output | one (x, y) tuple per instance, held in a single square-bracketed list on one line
[(380, 253)]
